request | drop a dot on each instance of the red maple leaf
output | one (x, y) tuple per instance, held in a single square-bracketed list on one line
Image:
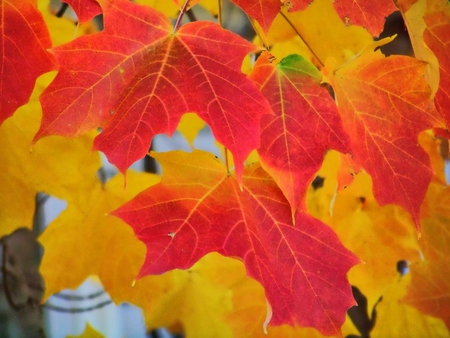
[(85, 9), (306, 123), (24, 40), (263, 11), (296, 5), (383, 118), (137, 77), (367, 13), (200, 209)]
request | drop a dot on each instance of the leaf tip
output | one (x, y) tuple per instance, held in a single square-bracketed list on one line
[(268, 317)]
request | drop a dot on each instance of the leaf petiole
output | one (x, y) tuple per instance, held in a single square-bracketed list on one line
[(226, 160), (220, 13), (180, 16)]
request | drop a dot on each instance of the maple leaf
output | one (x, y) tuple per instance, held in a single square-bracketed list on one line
[(89, 332), (137, 77), (85, 10), (306, 123), (363, 226), (249, 303), (263, 11), (340, 41), (62, 30), (64, 168), (430, 289), (397, 319), (369, 14), (24, 41), (437, 38), (384, 133), (428, 21), (296, 5), (302, 268), (191, 298)]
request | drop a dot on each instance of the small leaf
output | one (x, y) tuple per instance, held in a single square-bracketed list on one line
[(305, 125)]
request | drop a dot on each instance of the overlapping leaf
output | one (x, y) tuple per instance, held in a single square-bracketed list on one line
[(263, 11), (24, 41), (363, 226), (383, 118), (106, 247), (306, 123), (64, 168), (437, 38), (428, 21), (430, 287), (137, 77), (296, 5), (369, 14), (85, 9), (339, 41), (397, 319), (208, 212)]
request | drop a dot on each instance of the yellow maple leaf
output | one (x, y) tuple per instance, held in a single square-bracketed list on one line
[(396, 319), (430, 288), (364, 227), (105, 246), (339, 41), (189, 126), (89, 332), (58, 166)]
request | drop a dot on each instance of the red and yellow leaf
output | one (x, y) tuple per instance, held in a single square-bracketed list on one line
[(383, 118), (24, 40), (437, 38), (106, 247), (305, 125), (296, 5), (326, 37), (430, 287), (64, 168), (397, 319), (428, 21), (202, 210), (145, 77)]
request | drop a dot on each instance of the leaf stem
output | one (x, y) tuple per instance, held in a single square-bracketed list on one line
[(180, 16), (262, 37), (220, 13), (301, 37), (226, 160)]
